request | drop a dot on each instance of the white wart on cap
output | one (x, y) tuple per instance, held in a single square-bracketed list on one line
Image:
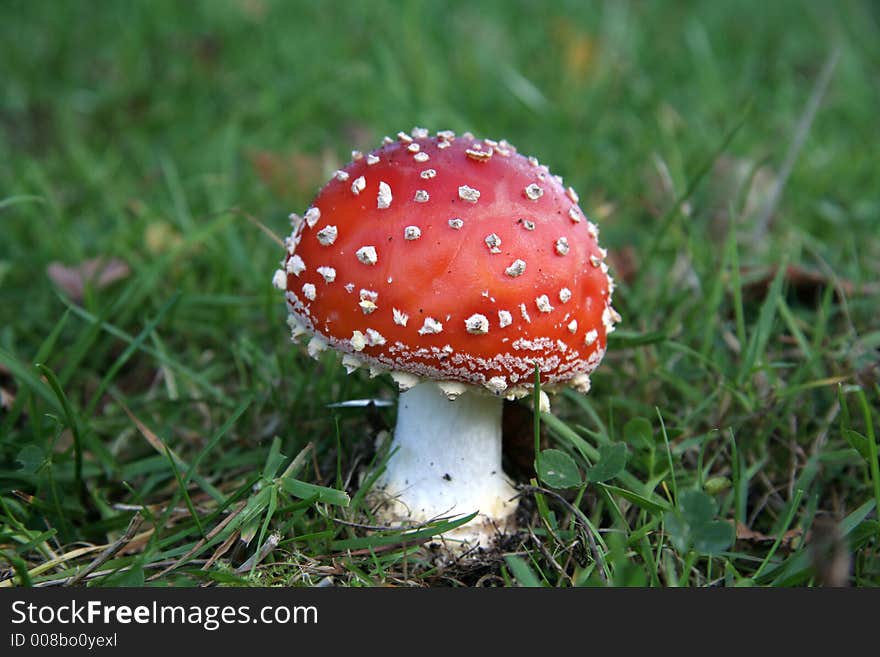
[(465, 293)]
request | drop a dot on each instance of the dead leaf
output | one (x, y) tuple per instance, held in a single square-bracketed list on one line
[(220, 551), (744, 533), (99, 272), (198, 546), (806, 284)]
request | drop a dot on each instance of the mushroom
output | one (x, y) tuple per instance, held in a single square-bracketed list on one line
[(459, 266)]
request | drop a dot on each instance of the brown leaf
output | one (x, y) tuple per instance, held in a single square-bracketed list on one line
[(744, 533), (99, 272), (806, 284), (223, 549)]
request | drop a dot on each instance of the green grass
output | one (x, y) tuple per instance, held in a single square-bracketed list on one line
[(162, 430)]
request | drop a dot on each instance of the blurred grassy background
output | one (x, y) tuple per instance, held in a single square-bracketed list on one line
[(709, 140)]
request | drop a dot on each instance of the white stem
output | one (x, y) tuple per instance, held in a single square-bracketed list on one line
[(447, 460)]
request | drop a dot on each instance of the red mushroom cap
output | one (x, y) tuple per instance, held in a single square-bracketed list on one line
[(453, 259)]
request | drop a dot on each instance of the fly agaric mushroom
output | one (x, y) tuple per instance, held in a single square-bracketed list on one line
[(457, 266)]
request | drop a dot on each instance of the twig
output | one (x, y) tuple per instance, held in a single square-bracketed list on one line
[(549, 557), (256, 222), (198, 546), (107, 571), (111, 549)]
